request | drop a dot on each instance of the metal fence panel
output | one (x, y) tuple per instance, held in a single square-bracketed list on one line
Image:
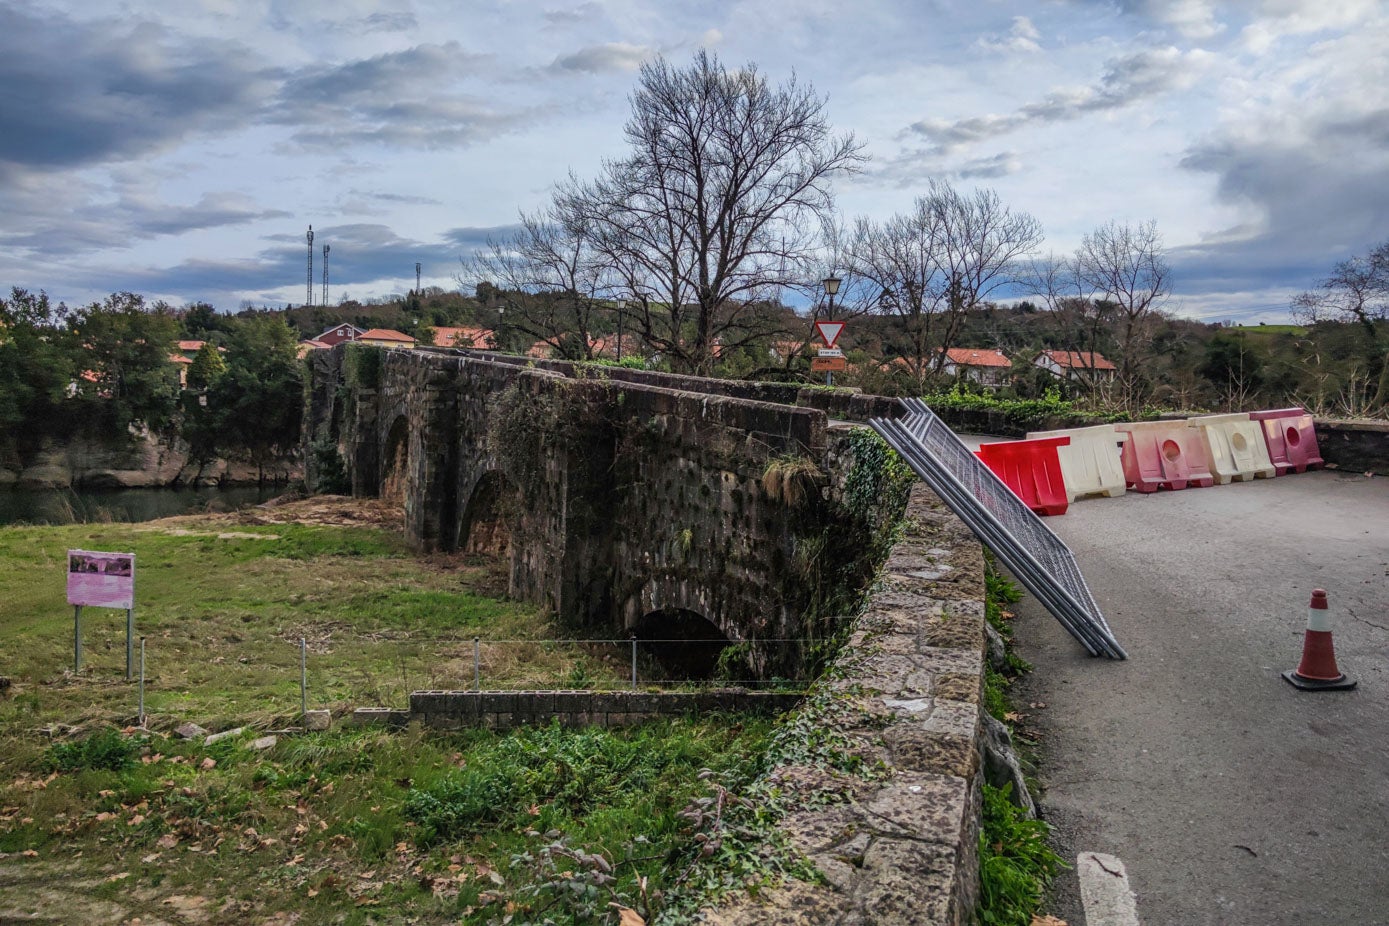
[(1030, 550)]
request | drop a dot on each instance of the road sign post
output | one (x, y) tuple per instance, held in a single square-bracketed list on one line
[(829, 358)]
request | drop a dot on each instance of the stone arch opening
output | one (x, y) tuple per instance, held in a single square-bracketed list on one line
[(395, 463), (486, 526), (686, 644)]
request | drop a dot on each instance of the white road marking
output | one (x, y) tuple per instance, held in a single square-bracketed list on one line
[(1104, 891)]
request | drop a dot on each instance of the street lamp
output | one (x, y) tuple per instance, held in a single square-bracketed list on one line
[(621, 311), (501, 328), (831, 284)]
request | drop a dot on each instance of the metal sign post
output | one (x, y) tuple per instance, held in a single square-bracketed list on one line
[(102, 580)]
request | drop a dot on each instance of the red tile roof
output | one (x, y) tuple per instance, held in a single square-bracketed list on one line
[(465, 336), (1082, 360), (385, 334), (191, 345), (969, 357)]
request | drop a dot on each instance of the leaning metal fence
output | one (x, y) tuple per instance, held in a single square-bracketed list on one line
[(1030, 550)]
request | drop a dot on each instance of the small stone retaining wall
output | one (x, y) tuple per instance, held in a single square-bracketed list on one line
[(899, 844), (506, 710), (1355, 446)]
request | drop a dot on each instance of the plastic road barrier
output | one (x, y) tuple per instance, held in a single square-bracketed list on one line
[(1234, 446), (1164, 455), (1090, 464), (1032, 470), (1290, 438)]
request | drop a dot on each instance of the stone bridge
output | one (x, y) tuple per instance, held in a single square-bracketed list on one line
[(667, 507)]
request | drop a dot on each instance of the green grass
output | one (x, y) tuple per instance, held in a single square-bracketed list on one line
[(223, 606), (1015, 862), (439, 828), (349, 826)]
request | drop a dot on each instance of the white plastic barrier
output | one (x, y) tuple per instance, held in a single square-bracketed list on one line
[(1091, 464), (1235, 447)]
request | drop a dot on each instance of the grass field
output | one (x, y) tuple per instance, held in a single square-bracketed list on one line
[(348, 826)]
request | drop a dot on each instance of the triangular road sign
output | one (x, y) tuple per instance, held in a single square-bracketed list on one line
[(830, 331)]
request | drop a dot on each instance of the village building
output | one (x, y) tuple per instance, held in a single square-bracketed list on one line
[(1076, 366), (987, 367)]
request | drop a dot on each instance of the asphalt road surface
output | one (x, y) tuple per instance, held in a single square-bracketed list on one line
[(1230, 797)]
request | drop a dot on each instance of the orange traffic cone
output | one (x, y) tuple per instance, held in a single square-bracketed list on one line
[(1317, 671)]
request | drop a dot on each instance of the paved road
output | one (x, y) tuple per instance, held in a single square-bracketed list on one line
[(1230, 797)]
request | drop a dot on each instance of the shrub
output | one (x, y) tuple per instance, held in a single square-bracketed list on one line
[(107, 750)]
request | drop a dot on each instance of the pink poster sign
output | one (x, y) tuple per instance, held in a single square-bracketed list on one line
[(101, 580)]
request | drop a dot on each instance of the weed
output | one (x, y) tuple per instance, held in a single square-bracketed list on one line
[(1015, 862), (105, 750)]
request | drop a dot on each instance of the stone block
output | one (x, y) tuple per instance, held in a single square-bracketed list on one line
[(224, 735), (907, 883), (931, 808), (317, 721), (263, 743)]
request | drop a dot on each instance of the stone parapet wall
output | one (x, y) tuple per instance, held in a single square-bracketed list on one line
[(1355, 446), (848, 404), (898, 843), (506, 710)]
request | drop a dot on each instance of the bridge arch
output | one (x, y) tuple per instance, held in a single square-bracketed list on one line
[(490, 514), (686, 643), (395, 461)]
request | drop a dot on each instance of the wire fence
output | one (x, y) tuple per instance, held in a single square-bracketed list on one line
[(288, 677)]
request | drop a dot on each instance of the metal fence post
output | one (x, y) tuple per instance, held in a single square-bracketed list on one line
[(76, 638), (140, 721), (477, 663), (129, 643), (304, 682), (634, 662)]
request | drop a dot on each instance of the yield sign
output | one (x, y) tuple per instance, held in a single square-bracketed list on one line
[(830, 331)]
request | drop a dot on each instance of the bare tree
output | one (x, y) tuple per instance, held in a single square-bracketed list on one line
[(1125, 265), (1081, 319), (549, 280), (942, 260), (715, 207), (1357, 291)]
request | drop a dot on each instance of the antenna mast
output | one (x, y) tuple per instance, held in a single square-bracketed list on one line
[(325, 274), (417, 278), (309, 299)]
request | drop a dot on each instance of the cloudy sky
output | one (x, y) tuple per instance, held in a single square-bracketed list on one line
[(180, 148)]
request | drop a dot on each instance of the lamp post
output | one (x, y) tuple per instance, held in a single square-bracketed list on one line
[(501, 328), (831, 284), (621, 311)]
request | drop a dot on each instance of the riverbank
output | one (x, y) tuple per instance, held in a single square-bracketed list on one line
[(145, 461)]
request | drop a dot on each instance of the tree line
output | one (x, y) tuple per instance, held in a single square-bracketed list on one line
[(104, 372)]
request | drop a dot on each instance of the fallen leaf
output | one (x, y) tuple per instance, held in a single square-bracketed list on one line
[(135, 820), (366, 875), (626, 916), (1013, 716), (167, 841), (313, 892), (1040, 920), (1037, 705), (534, 810), (104, 816), (294, 861), (151, 858), (29, 853), (209, 762), (120, 877)]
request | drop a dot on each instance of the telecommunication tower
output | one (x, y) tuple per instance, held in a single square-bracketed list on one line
[(417, 278), (325, 274), (309, 299)]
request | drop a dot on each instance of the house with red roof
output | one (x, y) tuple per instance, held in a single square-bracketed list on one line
[(386, 337), (339, 333), (987, 367), (464, 336), (1076, 366)]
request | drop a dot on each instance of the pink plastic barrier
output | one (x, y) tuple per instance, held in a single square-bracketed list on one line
[(1291, 439), (1032, 470), (1164, 455)]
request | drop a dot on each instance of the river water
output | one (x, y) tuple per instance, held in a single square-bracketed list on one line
[(70, 506)]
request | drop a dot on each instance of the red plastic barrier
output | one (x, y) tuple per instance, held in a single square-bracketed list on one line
[(1291, 439), (1032, 469), (1164, 455)]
